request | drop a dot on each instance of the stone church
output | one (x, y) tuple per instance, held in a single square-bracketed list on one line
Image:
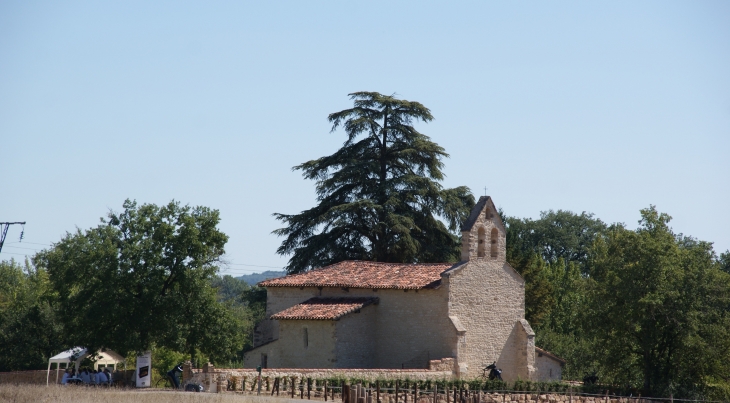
[(357, 314)]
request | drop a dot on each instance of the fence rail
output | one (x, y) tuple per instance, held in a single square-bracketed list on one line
[(427, 392)]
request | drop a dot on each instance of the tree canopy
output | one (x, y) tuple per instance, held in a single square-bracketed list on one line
[(379, 196), (143, 278), (30, 331), (551, 252), (555, 235), (659, 307), (646, 309)]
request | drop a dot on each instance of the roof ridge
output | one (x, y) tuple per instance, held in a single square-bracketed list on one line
[(376, 262), (330, 308), (366, 274), (339, 299)]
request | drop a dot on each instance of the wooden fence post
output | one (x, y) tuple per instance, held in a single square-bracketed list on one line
[(309, 388), (292, 387)]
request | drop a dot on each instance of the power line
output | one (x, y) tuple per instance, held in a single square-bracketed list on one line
[(225, 264), (4, 231), (20, 247)]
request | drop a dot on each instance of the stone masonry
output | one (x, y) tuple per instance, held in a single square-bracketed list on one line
[(471, 312)]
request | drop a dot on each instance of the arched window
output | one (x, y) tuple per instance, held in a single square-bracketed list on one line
[(493, 240), (482, 245)]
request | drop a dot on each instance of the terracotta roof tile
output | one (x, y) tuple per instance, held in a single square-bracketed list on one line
[(319, 308), (361, 274)]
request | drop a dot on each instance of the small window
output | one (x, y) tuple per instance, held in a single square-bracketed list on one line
[(264, 361), (306, 338), (482, 245), (493, 240)]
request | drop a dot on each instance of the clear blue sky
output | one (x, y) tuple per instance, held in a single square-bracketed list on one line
[(597, 106)]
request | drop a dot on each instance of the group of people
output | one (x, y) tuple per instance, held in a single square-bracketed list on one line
[(87, 377)]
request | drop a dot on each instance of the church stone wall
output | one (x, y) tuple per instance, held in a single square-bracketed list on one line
[(413, 327), (317, 351), (303, 344), (548, 368), (476, 315), (355, 339), (488, 297), (278, 299), (409, 328), (518, 357)]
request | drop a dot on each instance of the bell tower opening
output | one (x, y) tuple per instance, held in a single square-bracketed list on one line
[(493, 241), (482, 242)]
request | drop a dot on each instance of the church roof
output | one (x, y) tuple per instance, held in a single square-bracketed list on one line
[(319, 308), (362, 274), (541, 352), (476, 210), (474, 214)]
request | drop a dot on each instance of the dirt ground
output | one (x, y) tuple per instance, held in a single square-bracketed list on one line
[(72, 394)]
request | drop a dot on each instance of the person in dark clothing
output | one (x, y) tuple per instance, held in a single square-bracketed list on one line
[(173, 375)]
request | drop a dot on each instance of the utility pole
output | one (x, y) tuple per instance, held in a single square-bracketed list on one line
[(4, 231)]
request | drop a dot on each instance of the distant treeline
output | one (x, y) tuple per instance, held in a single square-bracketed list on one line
[(255, 278)]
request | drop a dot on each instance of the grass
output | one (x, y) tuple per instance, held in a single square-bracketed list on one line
[(10, 393)]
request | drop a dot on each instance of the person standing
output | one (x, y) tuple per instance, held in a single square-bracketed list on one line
[(173, 374), (108, 375)]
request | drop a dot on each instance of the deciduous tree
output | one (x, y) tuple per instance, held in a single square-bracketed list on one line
[(30, 331), (659, 309), (555, 235), (143, 278)]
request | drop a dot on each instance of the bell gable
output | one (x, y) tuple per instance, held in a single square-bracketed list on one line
[(483, 235)]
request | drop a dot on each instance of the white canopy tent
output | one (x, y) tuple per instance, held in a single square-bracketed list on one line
[(77, 354)]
